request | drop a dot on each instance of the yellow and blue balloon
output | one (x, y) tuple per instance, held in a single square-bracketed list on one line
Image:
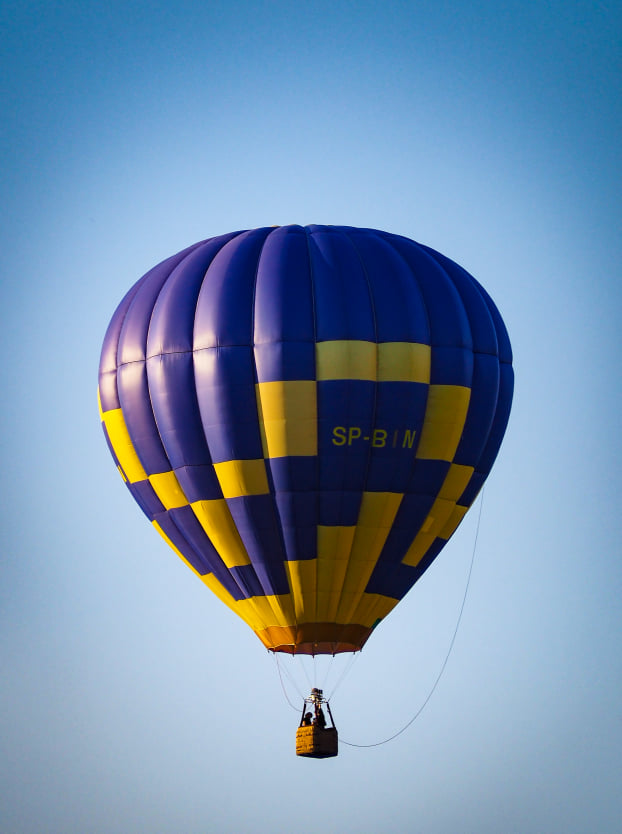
[(305, 414)]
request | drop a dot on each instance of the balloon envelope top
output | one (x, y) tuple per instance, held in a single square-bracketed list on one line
[(305, 414)]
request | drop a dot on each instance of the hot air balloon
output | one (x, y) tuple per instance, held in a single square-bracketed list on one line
[(305, 414)]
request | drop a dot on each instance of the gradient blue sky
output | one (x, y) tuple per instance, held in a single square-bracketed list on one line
[(131, 700)]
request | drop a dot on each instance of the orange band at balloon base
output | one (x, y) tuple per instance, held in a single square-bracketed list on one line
[(315, 638)]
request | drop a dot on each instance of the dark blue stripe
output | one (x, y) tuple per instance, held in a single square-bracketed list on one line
[(224, 312), (171, 329), (399, 311), (136, 404), (449, 326), (279, 361), (482, 406), (343, 306), (340, 508), (146, 498), (400, 411), (183, 529), (255, 519), (284, 296), (199, 483), (173, 398), (225, 386)]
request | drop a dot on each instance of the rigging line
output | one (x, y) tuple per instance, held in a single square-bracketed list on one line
[(278, 666), (302, 665), (451, 645), (352, 660)]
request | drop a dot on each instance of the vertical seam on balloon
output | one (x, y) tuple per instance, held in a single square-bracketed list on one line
[(374, 410), (317, 408), (487, 302), (276, 518), (229, 240), (419, 572), (388, 239)]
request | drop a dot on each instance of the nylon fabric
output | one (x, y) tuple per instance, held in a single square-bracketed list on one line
[(305, 414)]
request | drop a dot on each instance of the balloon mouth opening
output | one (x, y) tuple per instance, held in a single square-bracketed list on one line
[(315, 638)]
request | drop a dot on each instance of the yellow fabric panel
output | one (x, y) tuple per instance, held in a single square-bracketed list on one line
[(287, 417), (376, 516), (215, 518), (418, 549), (333, 551), (262, 612), (167, 488), (404, 362), (302, 575), (432, 527), (445, 415), (124, 450), (449, 528), (373, 607), (456, 481), (377, 512), (222, 593), (242, 477), (99, 405), (346, 359)]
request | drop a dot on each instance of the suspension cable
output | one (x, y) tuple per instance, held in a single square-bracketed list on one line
[(449, 650), (278, 666)]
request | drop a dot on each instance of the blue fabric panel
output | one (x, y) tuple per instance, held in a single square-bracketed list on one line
[(146, 498), (293, 481), (411, 514), (451, 366), (348, 404), (108, 359), (199, 483), (224, 313), (298, 514), (339, 508), (503, 340), (133, 336), (256, 522), (428, 476), (139, 419), (483, 330), (277, 361), (207, 556), (225, 386), (204, 561), (174, 402), (293, 474), (449, 325), (400, 408), (392, 580), (482, 406), (399, 311), (108, 393), (502, 413), (248, 581), (342, 300), (472, 489), (283, 296), (171, 329)]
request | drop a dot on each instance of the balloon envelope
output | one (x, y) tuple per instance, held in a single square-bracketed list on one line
[(306, 414)]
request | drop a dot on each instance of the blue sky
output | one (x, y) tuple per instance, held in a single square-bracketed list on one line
[(131, 699)]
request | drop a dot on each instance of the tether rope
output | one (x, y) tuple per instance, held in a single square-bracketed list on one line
[(449, 650)]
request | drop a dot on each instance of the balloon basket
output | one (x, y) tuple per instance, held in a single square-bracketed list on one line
[(317, 743), (313, 738)]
